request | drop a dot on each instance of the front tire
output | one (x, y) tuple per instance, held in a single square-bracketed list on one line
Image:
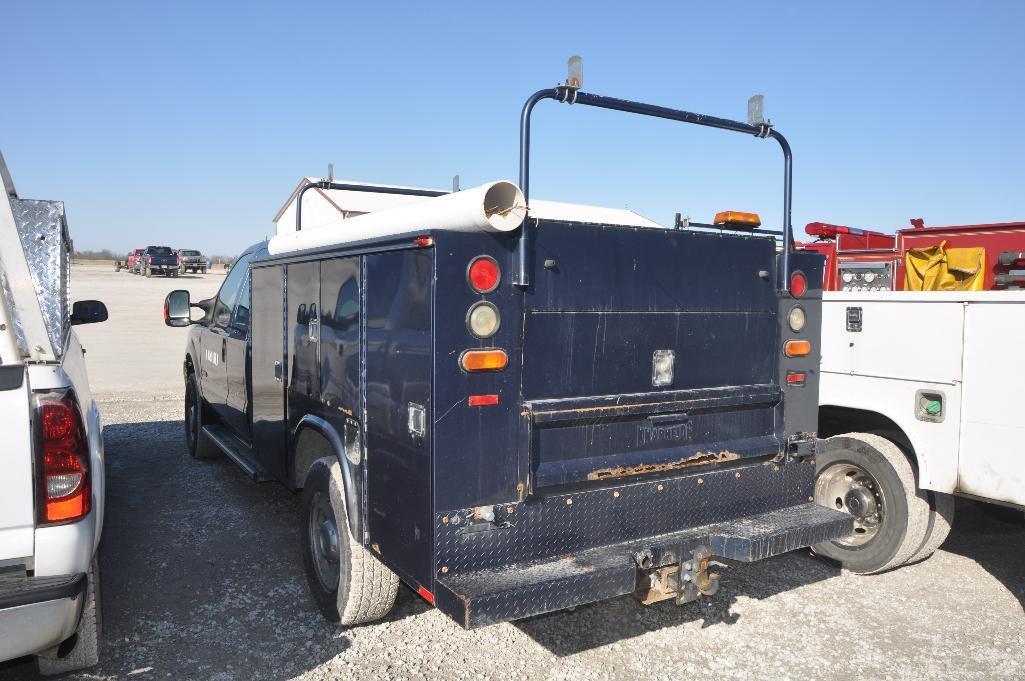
[(85, 651), (149, 272), (198, 444), (870, 477), (349, 585)]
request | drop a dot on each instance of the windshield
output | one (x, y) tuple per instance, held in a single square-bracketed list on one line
[(189, 252), (160, 250)]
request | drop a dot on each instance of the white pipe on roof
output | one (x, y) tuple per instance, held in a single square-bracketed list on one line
[(493, 207)]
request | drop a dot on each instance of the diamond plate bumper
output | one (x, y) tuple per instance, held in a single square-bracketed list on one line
[(489, 596)]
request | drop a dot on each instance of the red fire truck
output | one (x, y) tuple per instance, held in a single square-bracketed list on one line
[(865, 260)]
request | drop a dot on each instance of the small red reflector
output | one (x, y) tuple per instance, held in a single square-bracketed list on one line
[(423, 241), (798, 285), (795, 378), (482, 400), (425, 594), (483, 274), (797, 348)]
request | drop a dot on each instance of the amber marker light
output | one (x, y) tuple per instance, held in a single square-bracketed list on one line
[(797, 348), (484, 360)]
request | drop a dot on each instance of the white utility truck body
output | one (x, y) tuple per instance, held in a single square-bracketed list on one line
[(910, 350), (51, 462)]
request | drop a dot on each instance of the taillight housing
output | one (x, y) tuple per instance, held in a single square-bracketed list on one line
[(62, 471), (483, 274)]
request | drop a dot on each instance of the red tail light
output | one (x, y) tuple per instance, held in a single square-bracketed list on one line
[(798, 284), (65, 490), (149, 259), (483, 274)]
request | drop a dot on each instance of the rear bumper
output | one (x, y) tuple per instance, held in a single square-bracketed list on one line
[(37, 613), (500, 594)]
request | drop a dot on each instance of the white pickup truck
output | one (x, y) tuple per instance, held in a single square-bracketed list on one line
[(921, 393), (51, 461)]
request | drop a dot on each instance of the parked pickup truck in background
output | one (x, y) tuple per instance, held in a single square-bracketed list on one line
[(134, 259), (51, 462), (192, 261), (160, 259)]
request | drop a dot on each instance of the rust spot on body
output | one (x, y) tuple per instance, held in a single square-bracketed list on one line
[(699, 459)]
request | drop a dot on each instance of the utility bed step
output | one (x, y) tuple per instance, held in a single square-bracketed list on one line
[(237, 451), (485, 597)]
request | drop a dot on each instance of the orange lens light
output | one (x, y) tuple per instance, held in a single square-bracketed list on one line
[(797, 348), (483, 274), (482, 400), (733, 217), (484, 360)]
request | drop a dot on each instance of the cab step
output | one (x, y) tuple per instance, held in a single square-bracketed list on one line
[(238, 451)]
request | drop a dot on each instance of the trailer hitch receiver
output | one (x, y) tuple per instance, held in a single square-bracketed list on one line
[(684, 581)]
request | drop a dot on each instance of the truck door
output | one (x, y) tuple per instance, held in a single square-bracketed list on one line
[(236, 364), (990, 462), (339, 341), (398, 322), (303, 293), (268, 367), (214, 340)]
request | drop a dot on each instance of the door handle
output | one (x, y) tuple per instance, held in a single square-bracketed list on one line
[(224, 350), (277, 372)]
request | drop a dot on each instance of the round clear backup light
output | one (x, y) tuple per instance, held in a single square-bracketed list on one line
[(796, 318), (483, 320)]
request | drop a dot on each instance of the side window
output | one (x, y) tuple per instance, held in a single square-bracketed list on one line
[(240, 320), (229, 291)]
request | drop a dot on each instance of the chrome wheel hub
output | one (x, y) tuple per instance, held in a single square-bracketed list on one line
[(851, 489)]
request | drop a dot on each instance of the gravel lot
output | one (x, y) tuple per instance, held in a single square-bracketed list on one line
[(202, 577)]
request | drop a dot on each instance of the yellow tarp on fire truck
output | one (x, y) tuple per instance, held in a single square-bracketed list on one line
[(939, 268)]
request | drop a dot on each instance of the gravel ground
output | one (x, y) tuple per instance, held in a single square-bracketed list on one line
[(202, 579)]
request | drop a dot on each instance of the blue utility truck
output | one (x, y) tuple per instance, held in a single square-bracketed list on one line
[(515, 422)]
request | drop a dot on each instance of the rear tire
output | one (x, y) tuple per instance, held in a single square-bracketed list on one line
[(149, 272), (349, 585), (88, 636), (870, 477), (198, 444), (941, 519)]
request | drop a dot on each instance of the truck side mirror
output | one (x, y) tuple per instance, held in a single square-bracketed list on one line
[(176, 308), (88, 312)]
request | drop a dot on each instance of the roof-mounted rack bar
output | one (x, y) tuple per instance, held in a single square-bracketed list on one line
[(572, 95), (377, 189)]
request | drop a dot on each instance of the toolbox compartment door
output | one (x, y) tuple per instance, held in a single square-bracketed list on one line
[(618, 437), (610, 306)]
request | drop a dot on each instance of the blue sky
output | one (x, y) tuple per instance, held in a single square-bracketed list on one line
[(189, 123)]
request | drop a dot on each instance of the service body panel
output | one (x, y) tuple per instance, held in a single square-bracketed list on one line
[(895, 354)]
